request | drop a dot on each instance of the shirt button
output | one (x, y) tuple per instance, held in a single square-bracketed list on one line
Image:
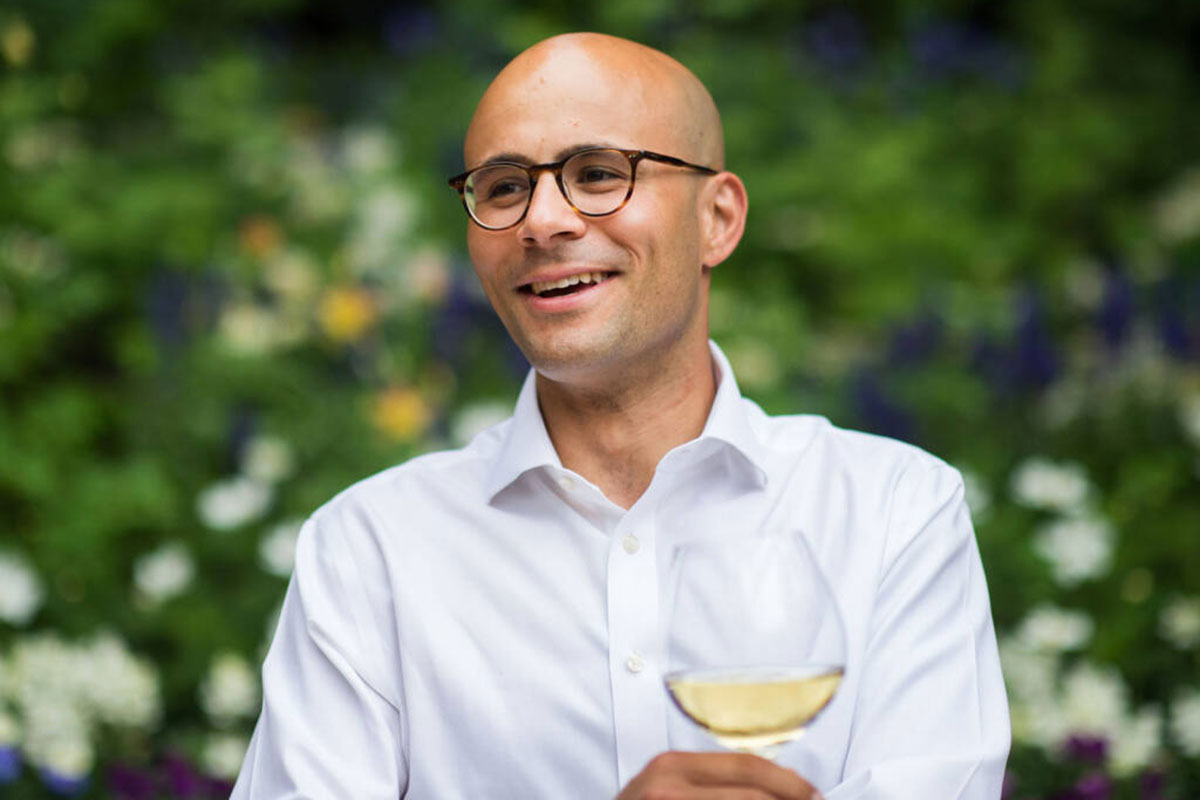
[(635, 663), (631, 544), (566, 483)]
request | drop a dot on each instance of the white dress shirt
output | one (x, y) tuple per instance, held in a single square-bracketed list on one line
[(484, 623)]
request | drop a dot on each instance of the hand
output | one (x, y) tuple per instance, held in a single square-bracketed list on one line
[(711, 776)]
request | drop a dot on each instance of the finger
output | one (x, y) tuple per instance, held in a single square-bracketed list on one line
[(739, 769)]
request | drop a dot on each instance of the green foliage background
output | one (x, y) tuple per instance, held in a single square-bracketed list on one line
[(975, 226)]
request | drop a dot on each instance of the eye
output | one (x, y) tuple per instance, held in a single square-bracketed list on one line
[(504, 187), (597, 173)]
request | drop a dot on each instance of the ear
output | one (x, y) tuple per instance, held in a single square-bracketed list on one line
[(723, 207)]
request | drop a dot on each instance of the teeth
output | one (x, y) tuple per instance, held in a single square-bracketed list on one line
[(586, 277)]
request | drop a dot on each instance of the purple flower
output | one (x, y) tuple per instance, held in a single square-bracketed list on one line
[(836, 40), (1116, 310), (183, 780), (129, 783), (10, 764), (1096, 786), (63, 785), (1152, 785), (1086, 749)]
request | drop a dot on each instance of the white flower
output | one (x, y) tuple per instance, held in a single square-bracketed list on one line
[(1177, 213), (1055, 629), (230, 690), (10, 731), (223, 755), (277, 550), (233, 503), (1077, 549), (976, 494), (1136, 742), (368, 150), (1185, 721), (1094, 700), (1030, 674), (57, 738), (164, 573), (1041, 483), (249, 329), (119, 688), (1189, 417), (21, 592), (268, 459), (384, 218), (1179, 623), (475, 418)]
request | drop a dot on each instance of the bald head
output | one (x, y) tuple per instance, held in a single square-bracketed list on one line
[(649, 100)]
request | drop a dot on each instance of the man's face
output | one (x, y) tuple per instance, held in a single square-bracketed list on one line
[(642, 288)]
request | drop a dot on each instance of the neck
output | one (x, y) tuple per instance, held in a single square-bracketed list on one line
[(616, 434)]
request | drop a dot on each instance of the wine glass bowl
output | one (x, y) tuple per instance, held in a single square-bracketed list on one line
[(755, 642)]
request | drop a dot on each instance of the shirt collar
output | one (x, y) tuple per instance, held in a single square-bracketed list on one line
[(527, 445)]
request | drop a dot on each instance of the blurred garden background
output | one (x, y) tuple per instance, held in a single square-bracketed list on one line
[(233, 281)]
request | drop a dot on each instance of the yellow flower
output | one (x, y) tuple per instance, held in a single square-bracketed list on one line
[(346, 313), (401, 413), (17, 42)]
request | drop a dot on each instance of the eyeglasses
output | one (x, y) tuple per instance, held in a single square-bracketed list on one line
[(595, 182)]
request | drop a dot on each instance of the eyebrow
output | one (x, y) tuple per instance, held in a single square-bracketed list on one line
[(567, 152)]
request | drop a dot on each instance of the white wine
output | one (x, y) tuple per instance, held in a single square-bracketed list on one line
[(754, 708)]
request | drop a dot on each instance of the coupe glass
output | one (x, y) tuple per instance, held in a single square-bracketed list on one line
[(756, 646)]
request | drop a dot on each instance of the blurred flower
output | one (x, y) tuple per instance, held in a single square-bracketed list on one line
[(401, 413), (837, 40), (32, 255), (1077, 549), (345, 313), (268, 459), (1094, 786), (248, 328), (233, 503), (1094, 700), (314, 188), (756, 364), (1055, 629), (1179, 622), (475, 418), (1041, 483), (384, 218), (1189, 417), (260, 236), (64, 784), (17, 42), (10, 764), (1136, 743), (1177, 213), (428, 275), (277, 550), (230, 690), (368, 150), (223, 754), (119, 689), (977, 495), (292, 275), (164, 573), (10, 732), (21, 591), (1086, 749), (1185, 721)]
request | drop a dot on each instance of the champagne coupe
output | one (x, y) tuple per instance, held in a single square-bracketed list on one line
[(756, 647)]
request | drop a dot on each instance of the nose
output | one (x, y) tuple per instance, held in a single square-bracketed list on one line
[(550, 216)]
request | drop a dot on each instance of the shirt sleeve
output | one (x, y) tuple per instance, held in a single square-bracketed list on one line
[(331, 724), (931, 719)]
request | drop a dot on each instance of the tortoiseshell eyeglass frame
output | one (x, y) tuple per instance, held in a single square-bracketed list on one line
[(459, 182)]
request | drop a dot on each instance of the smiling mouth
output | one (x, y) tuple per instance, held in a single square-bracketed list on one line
[(568, 285)]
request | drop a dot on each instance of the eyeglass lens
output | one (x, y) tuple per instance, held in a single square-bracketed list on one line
[(595, 182)]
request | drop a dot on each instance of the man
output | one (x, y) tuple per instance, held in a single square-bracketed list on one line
[(484, 623)]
